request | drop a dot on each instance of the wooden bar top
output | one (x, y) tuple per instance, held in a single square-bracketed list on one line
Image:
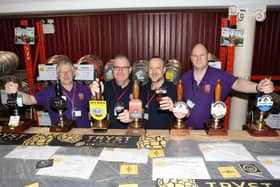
[(198, 135)]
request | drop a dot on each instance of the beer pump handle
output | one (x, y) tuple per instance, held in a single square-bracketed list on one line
[(135, 90), (57, 88), (218, 91), (180, 91), (98, 94)]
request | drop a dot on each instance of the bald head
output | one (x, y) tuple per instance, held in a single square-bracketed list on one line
[(199, 47), (199, 56)]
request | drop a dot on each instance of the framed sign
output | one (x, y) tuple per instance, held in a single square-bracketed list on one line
[(232, 37), (24, 35)]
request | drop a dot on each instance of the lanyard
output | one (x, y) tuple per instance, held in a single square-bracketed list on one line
[(115, 92), (149, 99), (73, 97)]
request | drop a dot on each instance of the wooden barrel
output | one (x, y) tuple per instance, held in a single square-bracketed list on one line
[(8, 63), (55, 59), (96, 61)]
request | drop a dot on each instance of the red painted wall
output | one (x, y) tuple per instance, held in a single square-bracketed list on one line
[(140, 35)]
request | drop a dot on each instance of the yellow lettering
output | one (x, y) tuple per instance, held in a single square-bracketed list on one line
[(99, 137), (127, 138), (211, 184), (118, 139), (225, 184), (266, 184), (241, 185), (90, 137), (252, 184), (109, 137)]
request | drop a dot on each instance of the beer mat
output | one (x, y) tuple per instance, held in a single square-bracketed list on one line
[(121, 141), (152, 142), (215, 182)]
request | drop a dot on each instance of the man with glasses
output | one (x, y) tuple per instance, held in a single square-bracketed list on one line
[(117, 91), (199, 86), (77, 96)]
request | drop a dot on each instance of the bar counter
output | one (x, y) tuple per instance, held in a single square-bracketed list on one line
[(199, 135), (21, 172)]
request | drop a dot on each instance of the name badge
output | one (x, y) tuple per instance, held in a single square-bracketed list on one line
[(190, 103), (146, 116), (77, 113)]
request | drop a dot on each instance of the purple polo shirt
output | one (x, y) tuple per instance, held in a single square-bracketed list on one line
[(81, 99), (202, 95)]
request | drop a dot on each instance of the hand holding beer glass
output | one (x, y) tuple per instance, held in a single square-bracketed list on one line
[(121, 113), (160, 93), (119, 108)]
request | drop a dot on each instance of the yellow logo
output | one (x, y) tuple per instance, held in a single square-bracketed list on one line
[(98, 109)]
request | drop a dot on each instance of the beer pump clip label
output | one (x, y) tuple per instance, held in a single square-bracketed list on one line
[(218, 110), (180, 109), (109, 75), (14, 121), (135, 109), (264, 103), (170, 75), (141, 76), (98, 109), (19, 101)]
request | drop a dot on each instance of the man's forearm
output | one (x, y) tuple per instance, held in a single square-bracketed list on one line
[(245, 86), (27, 99)]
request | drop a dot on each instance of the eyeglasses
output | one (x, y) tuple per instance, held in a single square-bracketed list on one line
[(120, 68)]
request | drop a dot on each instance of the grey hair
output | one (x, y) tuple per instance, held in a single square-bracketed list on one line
[(64, 61)]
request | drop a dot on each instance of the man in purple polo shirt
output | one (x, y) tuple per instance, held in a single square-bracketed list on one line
[(199, 87), (77, 96)]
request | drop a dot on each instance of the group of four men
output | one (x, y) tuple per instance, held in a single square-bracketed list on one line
[(199, 85)]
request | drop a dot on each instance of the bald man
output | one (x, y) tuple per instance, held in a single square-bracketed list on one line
[(154, 117), (199, 86)]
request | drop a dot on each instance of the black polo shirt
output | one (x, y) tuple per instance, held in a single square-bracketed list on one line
[(113, 93), (157, 119)]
